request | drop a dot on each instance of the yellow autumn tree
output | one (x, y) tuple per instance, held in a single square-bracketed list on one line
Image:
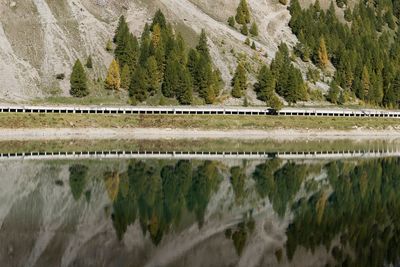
[(111, 181), (320, 206), (156, 35), (113, 80), (323, 54)]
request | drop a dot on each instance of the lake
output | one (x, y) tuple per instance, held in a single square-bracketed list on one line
[(200, 203)]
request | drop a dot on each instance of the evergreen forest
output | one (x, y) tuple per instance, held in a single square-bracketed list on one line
[(358, 55), (364, 49), (161, 63)]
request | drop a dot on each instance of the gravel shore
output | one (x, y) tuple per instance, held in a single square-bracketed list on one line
[(162, 133)]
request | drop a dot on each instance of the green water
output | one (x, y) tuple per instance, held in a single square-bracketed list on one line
[(198, 212)]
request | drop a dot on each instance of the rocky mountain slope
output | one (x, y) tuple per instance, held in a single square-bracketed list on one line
[(42, 38)]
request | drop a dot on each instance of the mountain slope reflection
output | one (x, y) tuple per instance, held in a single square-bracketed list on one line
[(160, 212)]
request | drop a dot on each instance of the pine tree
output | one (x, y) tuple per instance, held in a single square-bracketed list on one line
[(376, 96), (217, 81), (199, 65), (392, 93), (109, 46), (159, 19), (160, 58), (295, 89), (180, 49), (202, 47), (389, 97), (203, 78), (210, 95), (78, 81), (127, 51), (144, 52), (239, 81), (121, 29), (236, 90), (192, 62), (333, 94), (89, 62), (138, 85), (184, 92), (153, 76), (171, 77), (265, 86), (323, 59), (274, 102), (231, 22), (125, 77), (253, 46), (113, 79), (120, 49), (245, 30), (280, 68), (254, 29), (169, 44), (342, 98), (242, 13), (365, 84), (146, 32)]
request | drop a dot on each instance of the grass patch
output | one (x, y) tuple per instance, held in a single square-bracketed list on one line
[(219, 122)]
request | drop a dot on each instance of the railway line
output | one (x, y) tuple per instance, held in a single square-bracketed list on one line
[(253, 111)]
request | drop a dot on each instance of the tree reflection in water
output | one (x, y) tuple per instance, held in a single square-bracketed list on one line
[(352, 211)]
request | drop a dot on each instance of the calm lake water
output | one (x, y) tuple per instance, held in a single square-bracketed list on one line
[(279, 210)]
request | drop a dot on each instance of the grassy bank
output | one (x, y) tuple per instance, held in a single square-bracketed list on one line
[(13, 121)]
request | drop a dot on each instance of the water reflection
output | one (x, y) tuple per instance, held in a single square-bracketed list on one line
[(216, 213)]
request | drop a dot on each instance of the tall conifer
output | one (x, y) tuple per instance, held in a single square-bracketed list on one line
[(239, 81), (138, 85), (78, 81)]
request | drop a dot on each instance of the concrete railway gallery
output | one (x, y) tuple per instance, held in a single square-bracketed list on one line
[(202, 111)]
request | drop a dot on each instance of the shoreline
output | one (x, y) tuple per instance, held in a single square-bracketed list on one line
[(32, 134)]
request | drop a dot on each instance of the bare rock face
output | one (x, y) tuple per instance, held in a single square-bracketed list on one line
[(40, 39)]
